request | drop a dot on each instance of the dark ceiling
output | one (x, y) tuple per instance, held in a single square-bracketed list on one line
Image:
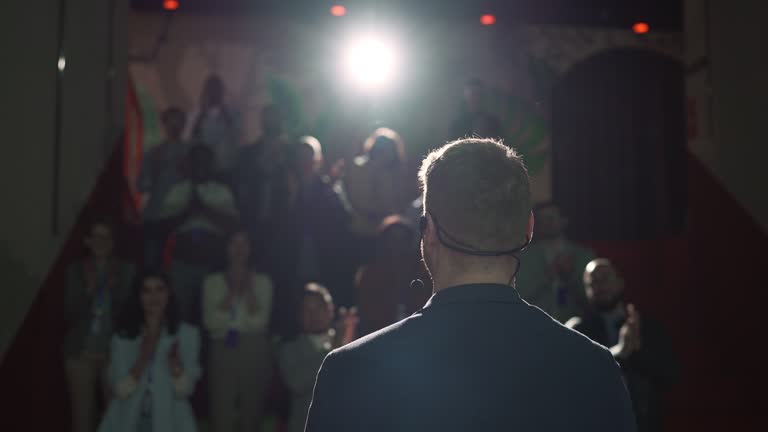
[(661, 14)]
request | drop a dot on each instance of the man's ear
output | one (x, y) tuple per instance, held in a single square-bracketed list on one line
[(430, 230), (531, 223)]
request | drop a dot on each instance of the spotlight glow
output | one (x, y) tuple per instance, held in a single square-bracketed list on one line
[(371, 62)]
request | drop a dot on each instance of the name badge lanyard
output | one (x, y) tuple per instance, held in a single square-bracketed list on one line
[(146, 400), (100, 296), (232, 337)]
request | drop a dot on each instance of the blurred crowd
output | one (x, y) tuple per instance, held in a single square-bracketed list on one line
[(259, 259)]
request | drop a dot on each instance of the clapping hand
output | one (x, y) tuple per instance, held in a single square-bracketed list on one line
[(174, 361), (630, 339), (146, 351), (563, 265), (252, 302), (346, 325)]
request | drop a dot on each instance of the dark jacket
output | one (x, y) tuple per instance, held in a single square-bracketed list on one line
[(78, 303), (648, 372), (475, 358)]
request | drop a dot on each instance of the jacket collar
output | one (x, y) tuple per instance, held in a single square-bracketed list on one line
[(474, 293)]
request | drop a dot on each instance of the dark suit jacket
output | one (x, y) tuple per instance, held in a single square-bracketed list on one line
[(475, 358), (648, 372)]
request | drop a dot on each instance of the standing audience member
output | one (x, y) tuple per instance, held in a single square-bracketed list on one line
[(474, 118), (216, 125), (236, 310), (552, 275), (154, 363), (96, 289), (161, 168), (376, 185), (202, 210), (259, 177), (640, 346), (313, 226), (384, 290), (300, 359)]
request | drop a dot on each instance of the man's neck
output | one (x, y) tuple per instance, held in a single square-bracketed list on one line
[(100, 261), (200, 180), (500, 278), (614, 313), (552, 241), (238, 271), (153, 323)]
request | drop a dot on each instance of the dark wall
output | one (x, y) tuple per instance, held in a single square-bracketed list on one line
[(618, 145)]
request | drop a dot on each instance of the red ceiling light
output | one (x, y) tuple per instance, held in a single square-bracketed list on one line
[(488, 19), (338, 10), (641, 28), (170, 5)]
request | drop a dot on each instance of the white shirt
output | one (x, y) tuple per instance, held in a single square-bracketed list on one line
[(212, 194), (218, 321)]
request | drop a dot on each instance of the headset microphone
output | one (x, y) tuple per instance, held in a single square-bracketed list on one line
[(455, 244)]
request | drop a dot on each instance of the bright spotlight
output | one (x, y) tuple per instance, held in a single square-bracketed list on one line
[(371, 62)]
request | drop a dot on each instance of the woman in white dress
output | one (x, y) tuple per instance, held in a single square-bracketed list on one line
[(154, 363)]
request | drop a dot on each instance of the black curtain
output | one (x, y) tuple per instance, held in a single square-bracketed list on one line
[(618, 139)]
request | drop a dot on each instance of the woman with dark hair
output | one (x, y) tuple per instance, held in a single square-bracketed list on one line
[(376, 185), (236, 309), (154, 363)]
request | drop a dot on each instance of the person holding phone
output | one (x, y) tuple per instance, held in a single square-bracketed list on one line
[(154, 363), (237, 304)]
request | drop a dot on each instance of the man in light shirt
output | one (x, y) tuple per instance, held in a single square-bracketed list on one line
[(300, 358), (161, 168), (551, 277)]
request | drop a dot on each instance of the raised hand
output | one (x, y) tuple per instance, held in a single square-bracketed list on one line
[(633, 320), (347, 324), (630, 340), (146, 351), (174, 361), (251, 301)]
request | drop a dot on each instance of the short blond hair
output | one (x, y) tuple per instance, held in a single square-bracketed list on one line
[(315, 289), (389, 134), (479, 191)]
